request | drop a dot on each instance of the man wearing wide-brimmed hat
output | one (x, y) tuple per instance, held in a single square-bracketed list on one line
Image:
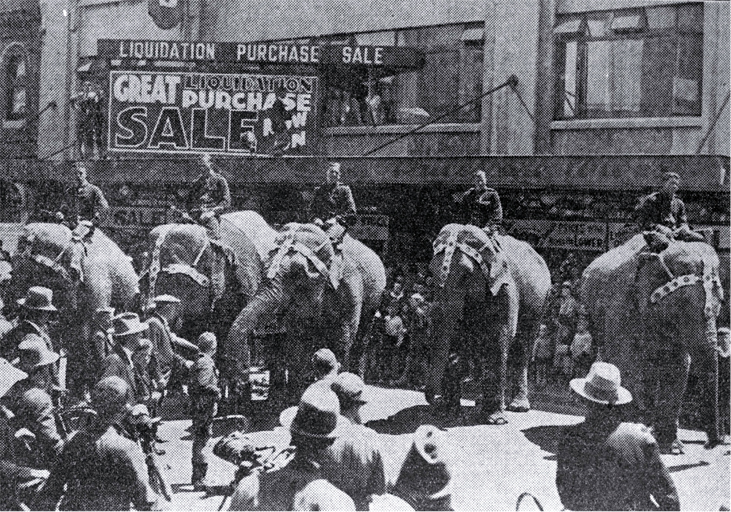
[(605, 464), (127, 334), (314, 426), (15, 473), (165, 360), (354, 461), (30, 399), (37, 308)]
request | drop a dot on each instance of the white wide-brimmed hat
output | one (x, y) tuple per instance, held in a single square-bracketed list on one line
[(602, 385)]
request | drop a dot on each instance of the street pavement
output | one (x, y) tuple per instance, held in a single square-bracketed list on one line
[(492, 465)]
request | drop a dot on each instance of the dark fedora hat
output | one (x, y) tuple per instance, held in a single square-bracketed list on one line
[(317, 415), (39, 298)]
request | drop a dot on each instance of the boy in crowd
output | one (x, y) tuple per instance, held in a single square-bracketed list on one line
[(542, 356), (204, 397)]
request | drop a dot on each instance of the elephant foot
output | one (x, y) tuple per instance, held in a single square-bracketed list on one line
[(674, 448), (519, 405), (712, 443)]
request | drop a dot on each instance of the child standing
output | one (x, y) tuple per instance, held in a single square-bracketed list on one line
[(581, 348), (542, 356), (204, 397), (393, 338)]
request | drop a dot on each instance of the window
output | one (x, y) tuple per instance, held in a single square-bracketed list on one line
[(16, 97), (630, 63), (451, 76)]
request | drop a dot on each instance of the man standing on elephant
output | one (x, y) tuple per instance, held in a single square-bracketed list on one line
[(605, 464), (209, 198), (85, 202), (481, 206), (664, 211), (333, 201)]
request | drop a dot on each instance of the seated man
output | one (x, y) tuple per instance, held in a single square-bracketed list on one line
[(85, 205), (333, 206), (665, 212), (100, 468), (481, 206), (209, 198)]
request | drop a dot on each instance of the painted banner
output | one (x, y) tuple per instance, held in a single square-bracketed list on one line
[(186, 112), (579, 236), (261, 53)]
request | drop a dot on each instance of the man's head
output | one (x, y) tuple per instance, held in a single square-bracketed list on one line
[(316, 422), (333, 172), (566, 290), (167, 306), (670, 182), (207, 343), (602, 387), (128, 330), (81, 178), (479, 180), (109, 399), (324, 363), (207, 163), (38, 304), (35, 354), (350, 390), (543, 330)]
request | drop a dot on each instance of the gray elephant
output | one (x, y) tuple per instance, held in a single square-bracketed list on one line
[(491, 292), (325, 296), (213, 279), (652, 313)]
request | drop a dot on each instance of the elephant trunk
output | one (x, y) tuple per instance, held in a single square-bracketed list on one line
[(446, 313), (236, 353)]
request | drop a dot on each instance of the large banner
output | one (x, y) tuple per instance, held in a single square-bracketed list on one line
[(186, 112)]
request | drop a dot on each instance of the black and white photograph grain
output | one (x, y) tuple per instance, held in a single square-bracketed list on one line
[(378, 255)]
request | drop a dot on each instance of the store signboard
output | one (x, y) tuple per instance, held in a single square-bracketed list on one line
[(261, 53), (578, 236), (236, 114)]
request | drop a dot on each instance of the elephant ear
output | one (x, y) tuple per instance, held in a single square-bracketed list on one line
[(499, 273), (77, 254)]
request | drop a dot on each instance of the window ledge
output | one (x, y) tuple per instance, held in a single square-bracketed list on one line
[(403, 128), (13, 124), (628, 122)]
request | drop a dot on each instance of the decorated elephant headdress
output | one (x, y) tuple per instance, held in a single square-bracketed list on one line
[(53, 247), (477, 245), (314, 245)]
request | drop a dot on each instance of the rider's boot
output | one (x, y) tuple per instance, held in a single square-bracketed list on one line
[(198, 480)]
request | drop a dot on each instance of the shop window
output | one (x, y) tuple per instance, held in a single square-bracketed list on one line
[(451, 76), (630, 63), (16, 95)]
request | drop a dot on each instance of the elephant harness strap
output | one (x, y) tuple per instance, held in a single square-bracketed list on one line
[(290, 245), (709, 280), (450, 245), (54, 264)]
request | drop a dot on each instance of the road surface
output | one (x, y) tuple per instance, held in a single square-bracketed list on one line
[(492, 465)]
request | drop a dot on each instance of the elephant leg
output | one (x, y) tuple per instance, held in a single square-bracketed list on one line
[(674, 368), (437, 365), (494, 364), (520, 402), (705, 364)]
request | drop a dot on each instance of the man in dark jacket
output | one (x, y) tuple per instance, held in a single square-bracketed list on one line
[(605, 464), (127, 337), (100, 467), (209, 198), (84, 202), (480, 205), (204, 397), (333, 201), (664, 211)]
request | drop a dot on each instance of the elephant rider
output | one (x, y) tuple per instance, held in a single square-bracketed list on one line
[(481, 206), (663, 211), (209, 198), (17, 478), (101, 468), (333, 206), (37, 310), (168, 365), (85, 205), (605, 464)]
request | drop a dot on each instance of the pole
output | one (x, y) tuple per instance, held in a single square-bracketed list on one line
[(512, 81), (713, 124)]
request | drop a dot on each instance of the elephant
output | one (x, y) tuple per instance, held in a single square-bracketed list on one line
[(491, 291), (212, 278), (324, 295), (83, 274), (653, 311)]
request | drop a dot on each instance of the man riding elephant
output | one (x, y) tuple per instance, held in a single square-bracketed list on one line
[(209, 198), (481, 205), (333, 206), (665, 212)]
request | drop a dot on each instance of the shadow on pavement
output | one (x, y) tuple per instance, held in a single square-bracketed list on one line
[(408, 420), (683, 467), (546, 437)]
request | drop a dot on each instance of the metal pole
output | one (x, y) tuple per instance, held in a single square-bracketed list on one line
[(713, 124), (512, 81)]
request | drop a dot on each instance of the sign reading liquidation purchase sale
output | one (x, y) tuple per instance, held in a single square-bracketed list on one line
[(186, 112)]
